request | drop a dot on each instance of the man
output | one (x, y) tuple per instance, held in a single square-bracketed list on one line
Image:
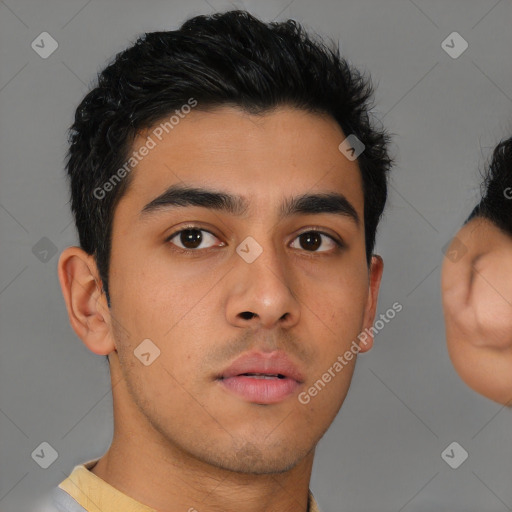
[(477, 286), (226, 184)]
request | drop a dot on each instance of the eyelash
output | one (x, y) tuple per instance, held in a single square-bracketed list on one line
[(314, 229)]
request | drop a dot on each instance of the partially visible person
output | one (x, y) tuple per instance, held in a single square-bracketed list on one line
[(476, 286)]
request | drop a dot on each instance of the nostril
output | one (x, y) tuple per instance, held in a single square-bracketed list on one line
[(247, 315)]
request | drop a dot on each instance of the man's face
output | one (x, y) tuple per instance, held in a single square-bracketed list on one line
[(309, 298)]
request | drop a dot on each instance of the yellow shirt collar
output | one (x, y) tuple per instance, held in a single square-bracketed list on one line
[(96, 495)]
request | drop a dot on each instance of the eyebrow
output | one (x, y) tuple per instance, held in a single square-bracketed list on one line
[(179, 195)]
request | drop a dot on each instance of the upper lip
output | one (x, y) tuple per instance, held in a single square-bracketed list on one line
[(267, 363)]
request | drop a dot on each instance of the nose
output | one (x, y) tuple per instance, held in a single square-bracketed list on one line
[(261, 294)]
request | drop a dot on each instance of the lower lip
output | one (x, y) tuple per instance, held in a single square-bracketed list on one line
[(260, 390)]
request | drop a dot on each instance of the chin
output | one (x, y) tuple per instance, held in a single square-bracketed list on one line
[(251, 459)]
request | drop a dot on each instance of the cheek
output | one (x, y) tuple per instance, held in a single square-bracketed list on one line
[(324, 394), (154, 295), (342, 299), (175, 313), (154, 299), (337, 327)]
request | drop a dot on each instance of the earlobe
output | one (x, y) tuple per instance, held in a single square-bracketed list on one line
[(85, 303), (375, 276)]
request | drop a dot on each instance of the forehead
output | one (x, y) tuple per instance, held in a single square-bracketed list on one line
[(264, 157)]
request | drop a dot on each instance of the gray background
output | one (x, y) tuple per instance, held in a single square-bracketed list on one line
[(406, 404)]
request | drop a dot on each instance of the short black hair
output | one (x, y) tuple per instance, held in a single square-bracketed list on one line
[(496, 188), (229, 58)]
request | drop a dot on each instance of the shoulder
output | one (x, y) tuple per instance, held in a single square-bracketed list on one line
[(58, 500)]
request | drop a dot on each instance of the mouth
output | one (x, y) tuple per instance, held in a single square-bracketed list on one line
[(261, 378), (262, 375)]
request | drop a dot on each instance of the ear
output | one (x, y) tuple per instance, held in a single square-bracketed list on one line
[(375, 271), (85, 300)]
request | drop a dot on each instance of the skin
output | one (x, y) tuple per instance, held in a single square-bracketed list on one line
[(477, 302), (180, 439)]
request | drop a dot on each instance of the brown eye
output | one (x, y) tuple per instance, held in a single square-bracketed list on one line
[(312, 240), (191, 238)]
